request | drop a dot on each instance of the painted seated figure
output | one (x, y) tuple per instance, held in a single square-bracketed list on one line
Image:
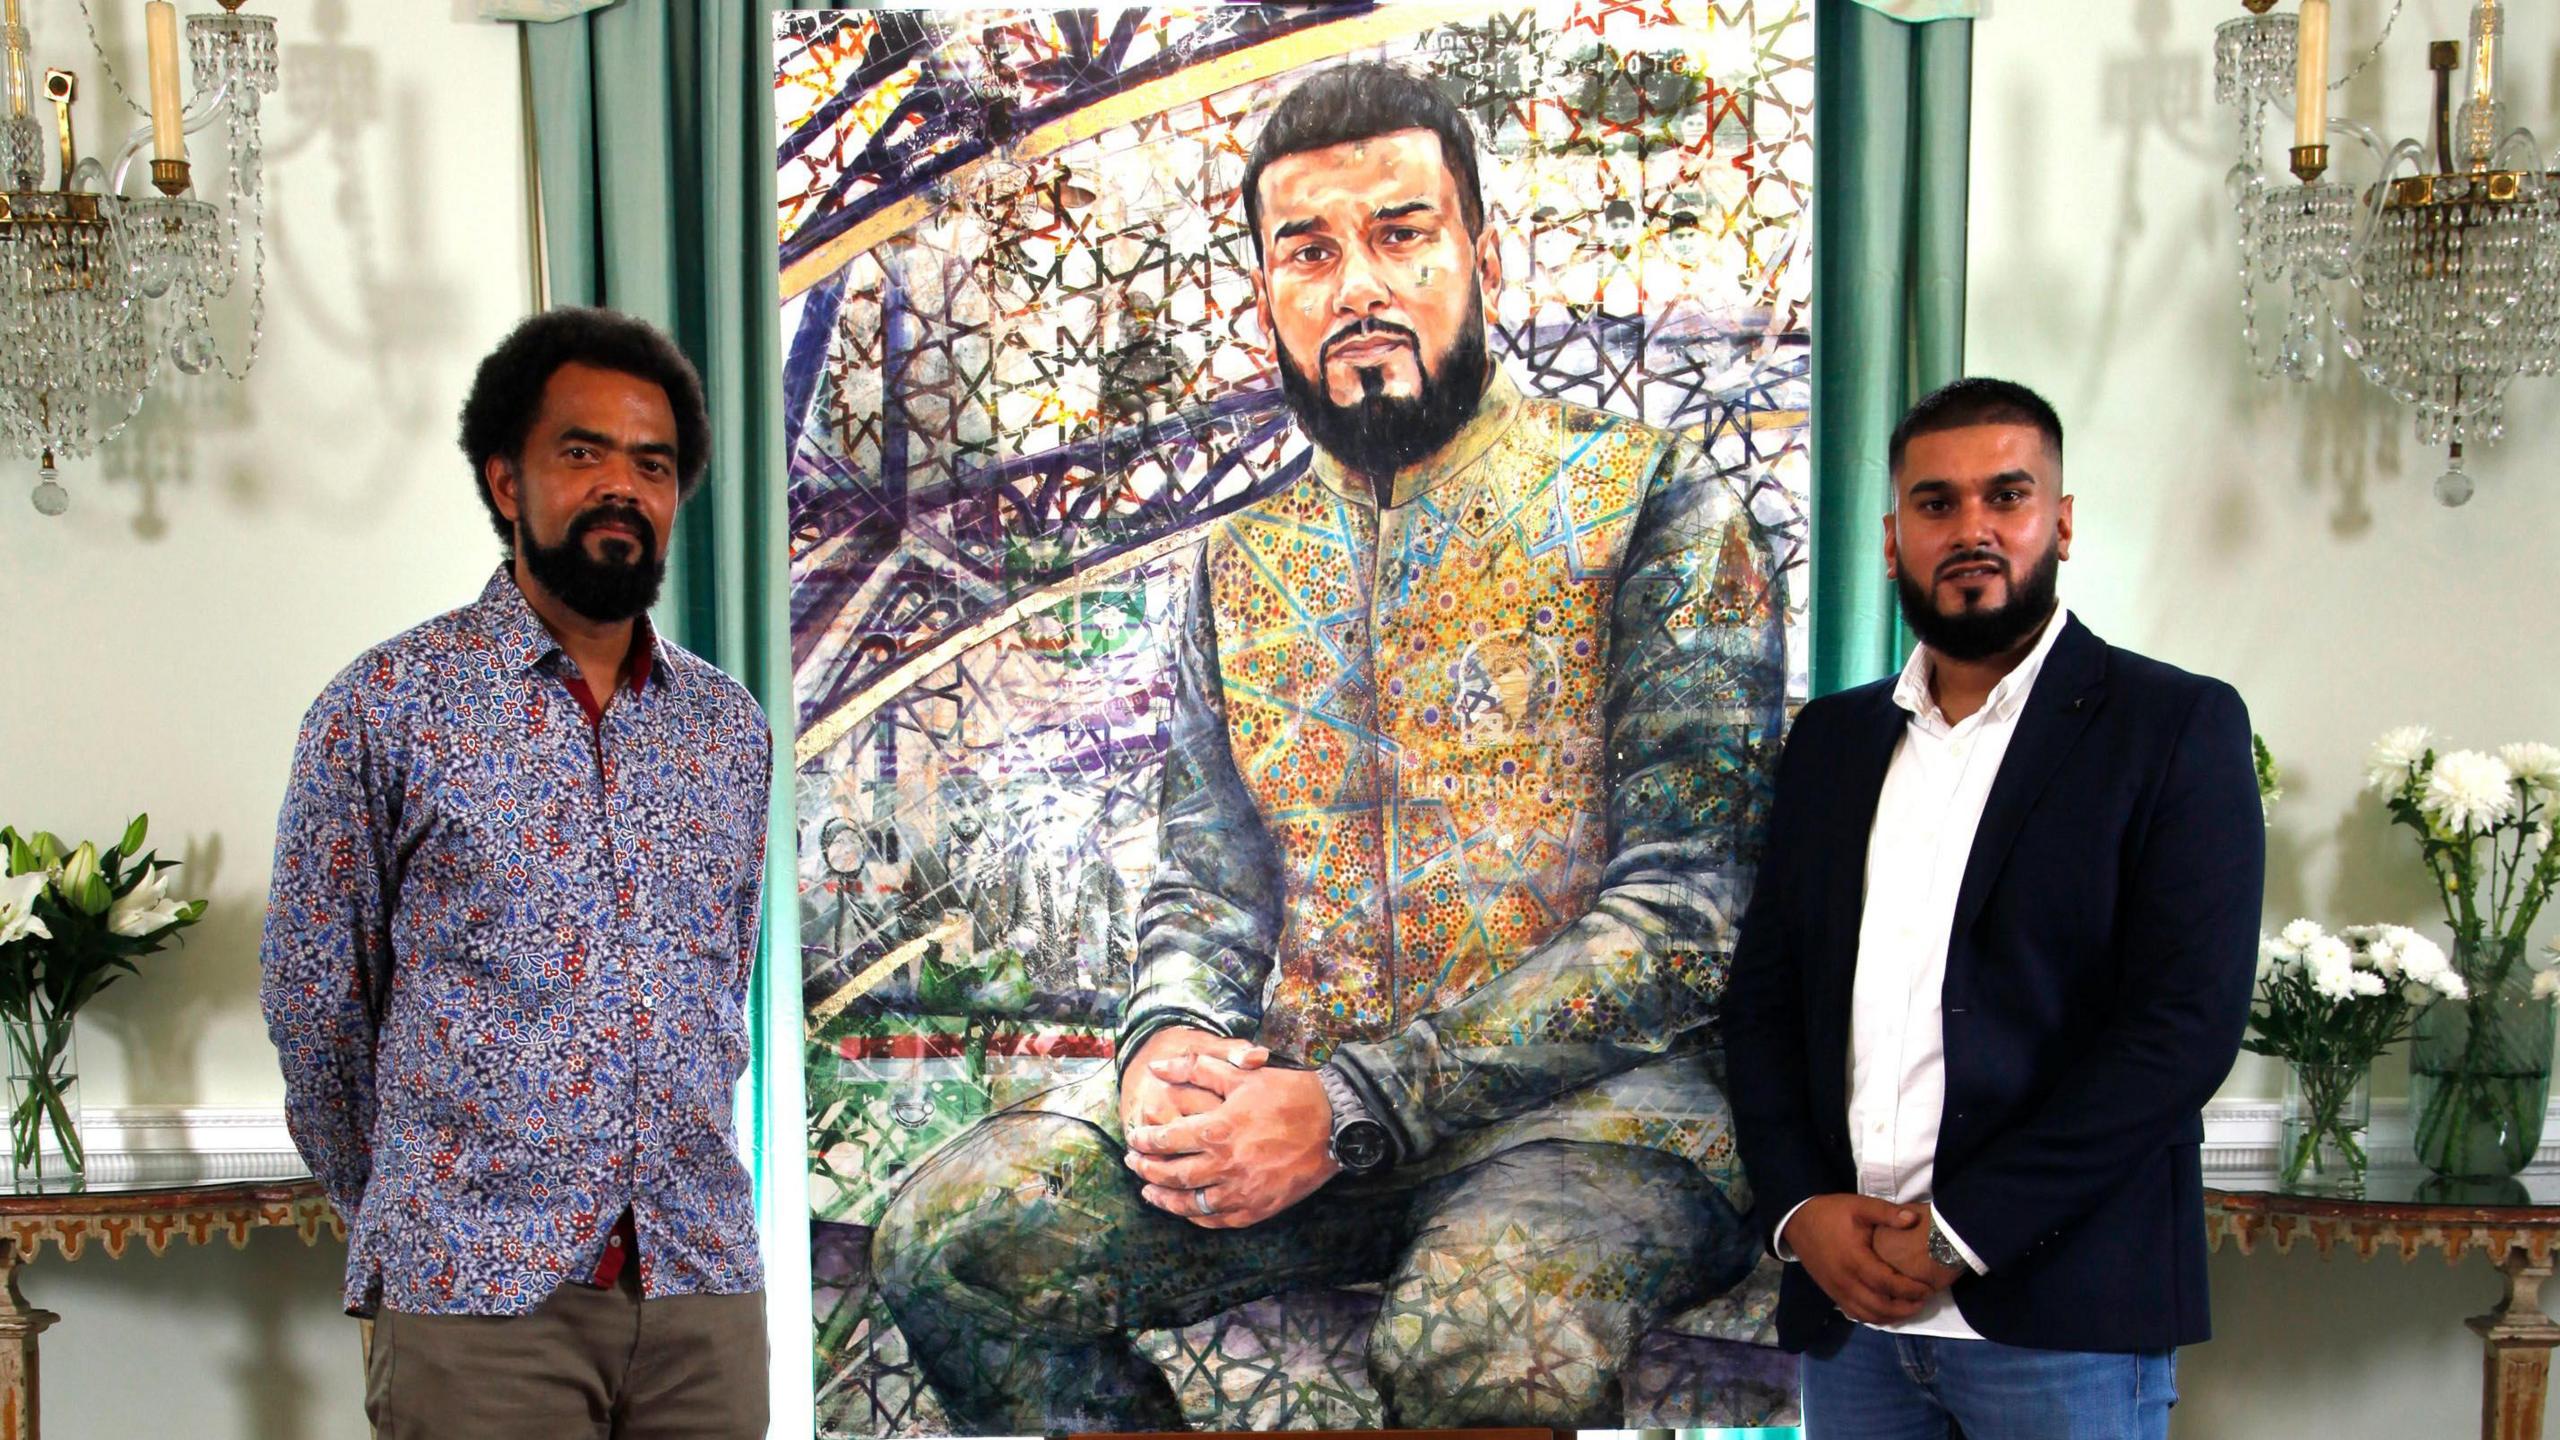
[(1470, 743)]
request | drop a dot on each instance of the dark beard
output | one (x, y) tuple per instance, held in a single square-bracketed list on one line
[(605, 591), (1980, 634), (1382, 434)]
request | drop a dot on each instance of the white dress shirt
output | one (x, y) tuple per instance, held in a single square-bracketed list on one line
[(1917, 852)]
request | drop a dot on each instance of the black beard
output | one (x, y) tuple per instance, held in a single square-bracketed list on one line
[(1980, 634), (605, 591), (1381, 434)]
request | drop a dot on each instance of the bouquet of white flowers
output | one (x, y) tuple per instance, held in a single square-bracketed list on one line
[(71, 922), (2480, 1072), (2328, 1004)]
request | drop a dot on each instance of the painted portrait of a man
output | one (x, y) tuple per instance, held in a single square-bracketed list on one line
[(1467, 745)]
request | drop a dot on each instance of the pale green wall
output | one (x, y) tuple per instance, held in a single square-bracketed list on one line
[(242, 542), (219, 562), (2281, 537)]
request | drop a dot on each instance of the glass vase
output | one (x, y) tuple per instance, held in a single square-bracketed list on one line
[(45, 1153), (2480, 1069), (2327, 1110)]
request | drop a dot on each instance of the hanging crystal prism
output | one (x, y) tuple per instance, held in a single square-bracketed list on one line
[(234, 49), (2443, 286), (79, 353)]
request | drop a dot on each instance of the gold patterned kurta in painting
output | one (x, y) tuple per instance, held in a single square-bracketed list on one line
[(1461, 787)]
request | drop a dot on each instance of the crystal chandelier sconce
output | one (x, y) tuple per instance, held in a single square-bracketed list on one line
[(97, 286), (2440, 280)]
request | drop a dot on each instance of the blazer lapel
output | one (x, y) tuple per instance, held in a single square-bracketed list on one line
[(2065, 698)]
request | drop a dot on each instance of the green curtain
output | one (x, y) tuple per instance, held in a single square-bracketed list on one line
[(1890, 111), (653, 124)]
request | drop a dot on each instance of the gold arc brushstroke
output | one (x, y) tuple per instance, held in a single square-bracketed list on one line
[(820, 737), (880, 969), (1194, 83)]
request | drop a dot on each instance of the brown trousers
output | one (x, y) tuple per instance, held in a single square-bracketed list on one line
[(589, 1364)]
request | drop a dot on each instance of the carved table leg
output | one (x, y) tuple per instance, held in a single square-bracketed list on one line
[(2516, 1372), (19, 1325)]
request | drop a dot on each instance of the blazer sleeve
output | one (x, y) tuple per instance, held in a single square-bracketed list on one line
[(2188, 945), (1770, 1075)]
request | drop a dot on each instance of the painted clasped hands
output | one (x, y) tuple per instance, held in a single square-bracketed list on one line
[(1218, 1135)]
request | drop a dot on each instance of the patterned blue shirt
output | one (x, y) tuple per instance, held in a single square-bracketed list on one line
[(506, 964)]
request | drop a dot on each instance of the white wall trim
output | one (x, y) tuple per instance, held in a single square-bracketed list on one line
[(2240, 1137), (172, 1143), (148, 1144)]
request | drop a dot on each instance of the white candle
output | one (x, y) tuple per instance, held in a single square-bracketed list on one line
[(2486, 22), (2311, 76), (168, 116), (16, 80)]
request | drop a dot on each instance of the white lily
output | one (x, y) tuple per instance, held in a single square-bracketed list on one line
[(81, 885), (18, 907), (145, 908)]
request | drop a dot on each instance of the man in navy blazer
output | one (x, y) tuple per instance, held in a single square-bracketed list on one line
[(2000, 955)]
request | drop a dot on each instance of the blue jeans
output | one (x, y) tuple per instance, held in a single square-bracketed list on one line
[(1911, 1387)]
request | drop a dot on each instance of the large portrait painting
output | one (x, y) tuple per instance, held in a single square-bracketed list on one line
[(1298, 539)]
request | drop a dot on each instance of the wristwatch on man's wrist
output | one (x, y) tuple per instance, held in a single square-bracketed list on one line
[(1359, 1144), (1942, 1249)]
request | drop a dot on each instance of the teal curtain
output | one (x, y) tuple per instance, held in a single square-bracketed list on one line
[(653, 125), (1890, 114)]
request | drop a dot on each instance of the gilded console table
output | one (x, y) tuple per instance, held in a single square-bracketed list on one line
[(2516, 1223), (112, 1218)]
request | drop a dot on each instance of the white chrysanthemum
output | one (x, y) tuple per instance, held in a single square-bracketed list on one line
[(2469, 792), (2534, 764), (2302, 934), (2546, 984), (2386, 768), (2332, 967), (2365, 982), (2421, 959)]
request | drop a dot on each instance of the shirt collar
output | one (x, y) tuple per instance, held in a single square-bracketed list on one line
[(521, 635), (1911, 691), (1494, 414)]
